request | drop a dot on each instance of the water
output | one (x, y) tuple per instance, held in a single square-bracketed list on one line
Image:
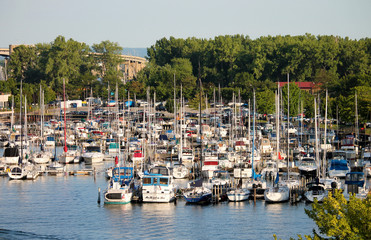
[(65, 207)]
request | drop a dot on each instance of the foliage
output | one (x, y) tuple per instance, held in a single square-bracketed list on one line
[(233, 62), (340, 219)]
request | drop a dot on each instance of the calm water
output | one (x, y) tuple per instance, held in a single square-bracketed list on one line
[(65, 207)]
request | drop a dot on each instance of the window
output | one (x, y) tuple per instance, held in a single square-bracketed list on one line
[(147, 180), (163, 181)]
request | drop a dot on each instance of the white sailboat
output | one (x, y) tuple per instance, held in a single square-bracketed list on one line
[(280, 191), (316, 189)]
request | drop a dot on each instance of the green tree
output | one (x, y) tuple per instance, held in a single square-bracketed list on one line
[(340, 219), (107, 58)]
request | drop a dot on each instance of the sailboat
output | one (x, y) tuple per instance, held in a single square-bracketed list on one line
[(316, 189), (68, 155), (256, 183), (280, 191), (42, 157)]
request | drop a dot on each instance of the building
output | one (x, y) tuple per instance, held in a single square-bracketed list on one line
[(310, 87), (4, 100)]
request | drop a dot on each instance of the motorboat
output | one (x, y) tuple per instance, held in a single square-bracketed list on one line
[(338, 168), (307, 166), (315, 190), (69, 155), (11, 155), (238, 194), (355, 184), (118, 192), (93, 154), (158, 185), (198, 195), (50, 142)]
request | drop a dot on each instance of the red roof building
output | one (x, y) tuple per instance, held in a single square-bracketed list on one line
[(310, 87)]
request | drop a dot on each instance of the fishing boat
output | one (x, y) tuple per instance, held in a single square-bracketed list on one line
[(158, 185), (198, 195)]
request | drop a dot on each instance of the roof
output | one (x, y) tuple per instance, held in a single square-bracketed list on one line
[(301, 85)]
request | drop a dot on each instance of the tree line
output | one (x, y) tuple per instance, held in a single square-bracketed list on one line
[(238, 64), (230, 65)]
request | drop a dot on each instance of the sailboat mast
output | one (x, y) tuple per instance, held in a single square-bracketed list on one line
[(64, 115), (253, 138), (356, 112), (20, 118), (325, 141), (316, 135), (288, 124)]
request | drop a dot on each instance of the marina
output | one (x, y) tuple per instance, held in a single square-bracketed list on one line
[(174, 186)]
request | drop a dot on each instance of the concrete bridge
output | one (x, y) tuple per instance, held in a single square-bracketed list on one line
[(130, 67)]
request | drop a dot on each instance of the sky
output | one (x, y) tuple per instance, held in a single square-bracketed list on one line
[(140, 23)]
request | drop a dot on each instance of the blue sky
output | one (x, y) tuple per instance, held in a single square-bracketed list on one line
[(139, 23)]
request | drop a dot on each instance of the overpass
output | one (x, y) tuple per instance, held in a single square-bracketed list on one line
[(131, 64)]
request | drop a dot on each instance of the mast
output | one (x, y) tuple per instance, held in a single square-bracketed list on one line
[(288, 125), (253, 140), (181, 123), (277, 129), (175, 120), (25, 121), (41, 114), (12, 119), (200, 130), (356, 112), (316, 136), (20, 118), (64, 115), (325, 142)]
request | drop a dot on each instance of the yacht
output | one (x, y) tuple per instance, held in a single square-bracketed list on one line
[(93, 154), (121, 186), (338, 168), (158, 185), (316, 190), (11, 155)]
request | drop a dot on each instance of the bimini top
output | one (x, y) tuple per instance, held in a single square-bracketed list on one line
[(339, 164), (355, 178)]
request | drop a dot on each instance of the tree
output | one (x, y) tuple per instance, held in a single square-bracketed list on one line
[(107, 59), (265, 101), (340, 219)]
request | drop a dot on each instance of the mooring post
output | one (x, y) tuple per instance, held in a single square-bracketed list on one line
[(98, 195)]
